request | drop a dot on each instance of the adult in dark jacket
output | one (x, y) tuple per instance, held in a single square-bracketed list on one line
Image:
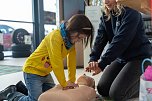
[(123, 29)]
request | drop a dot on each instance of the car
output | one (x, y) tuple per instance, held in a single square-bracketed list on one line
[(10, 35), (6, 36), (5, 29)]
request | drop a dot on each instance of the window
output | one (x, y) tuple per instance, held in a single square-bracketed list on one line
[(49, 15), (14, 14), (18, 10)]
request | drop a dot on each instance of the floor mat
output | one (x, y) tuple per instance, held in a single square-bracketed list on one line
[(5, 69)]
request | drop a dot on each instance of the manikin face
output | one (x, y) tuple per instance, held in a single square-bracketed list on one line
[(110, 4), (76, 37)]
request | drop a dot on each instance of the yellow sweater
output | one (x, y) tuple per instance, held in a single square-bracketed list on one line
[(49, 56)]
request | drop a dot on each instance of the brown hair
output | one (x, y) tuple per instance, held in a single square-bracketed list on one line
[(81, 24)]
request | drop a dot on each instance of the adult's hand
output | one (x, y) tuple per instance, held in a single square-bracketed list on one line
[(93, 66)]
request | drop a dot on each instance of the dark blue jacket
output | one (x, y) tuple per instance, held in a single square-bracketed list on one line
[(126, 37)]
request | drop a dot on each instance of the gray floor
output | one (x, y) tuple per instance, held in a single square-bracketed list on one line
[(12, 78), (5, 69)]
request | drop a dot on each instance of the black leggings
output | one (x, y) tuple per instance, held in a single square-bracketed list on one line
[(120, 81)]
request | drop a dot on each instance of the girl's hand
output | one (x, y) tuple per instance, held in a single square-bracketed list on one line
[(67, 87), (70, 85)]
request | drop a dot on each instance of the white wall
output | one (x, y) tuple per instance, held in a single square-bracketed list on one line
[(71, 7), (94, 14)]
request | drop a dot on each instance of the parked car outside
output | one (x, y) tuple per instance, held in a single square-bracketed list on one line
[(6, 36)]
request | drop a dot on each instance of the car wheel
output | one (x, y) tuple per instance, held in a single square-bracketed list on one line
[(21, 47), (18, 36), (1, 56), (18, 54), (1, 48)]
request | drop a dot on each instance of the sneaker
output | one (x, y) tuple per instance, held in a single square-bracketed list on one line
[(21, 88), (10, 89)]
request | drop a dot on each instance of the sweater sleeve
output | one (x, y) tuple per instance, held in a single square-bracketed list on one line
[(123, 37), (100, 42), (71, 64), (56, 60)]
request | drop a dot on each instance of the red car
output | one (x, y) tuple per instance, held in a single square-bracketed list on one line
[(6, 36)]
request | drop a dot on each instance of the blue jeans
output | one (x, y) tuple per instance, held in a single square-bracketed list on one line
[(36, 85)]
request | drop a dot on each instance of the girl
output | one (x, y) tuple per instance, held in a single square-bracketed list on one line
[(49, 57)]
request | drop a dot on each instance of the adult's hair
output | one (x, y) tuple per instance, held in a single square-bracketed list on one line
[(116, 11), (81, 24)]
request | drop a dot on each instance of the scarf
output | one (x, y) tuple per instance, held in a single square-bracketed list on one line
[(66, 40)]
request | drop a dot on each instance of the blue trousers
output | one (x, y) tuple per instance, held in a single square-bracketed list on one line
[(36, 85)]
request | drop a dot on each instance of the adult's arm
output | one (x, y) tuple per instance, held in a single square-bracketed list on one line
[(123, 37), (100, 42)]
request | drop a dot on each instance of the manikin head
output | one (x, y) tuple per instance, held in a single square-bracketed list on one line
[(86, 80)]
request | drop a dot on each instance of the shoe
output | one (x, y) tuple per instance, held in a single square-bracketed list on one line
[(10, 89), (21, 88), (14, 96)]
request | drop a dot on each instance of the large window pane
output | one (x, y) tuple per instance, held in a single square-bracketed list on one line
[(7, 29), (19, 10), (50, 5)]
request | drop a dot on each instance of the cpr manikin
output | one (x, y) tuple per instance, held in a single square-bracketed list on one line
[(85, 91)]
